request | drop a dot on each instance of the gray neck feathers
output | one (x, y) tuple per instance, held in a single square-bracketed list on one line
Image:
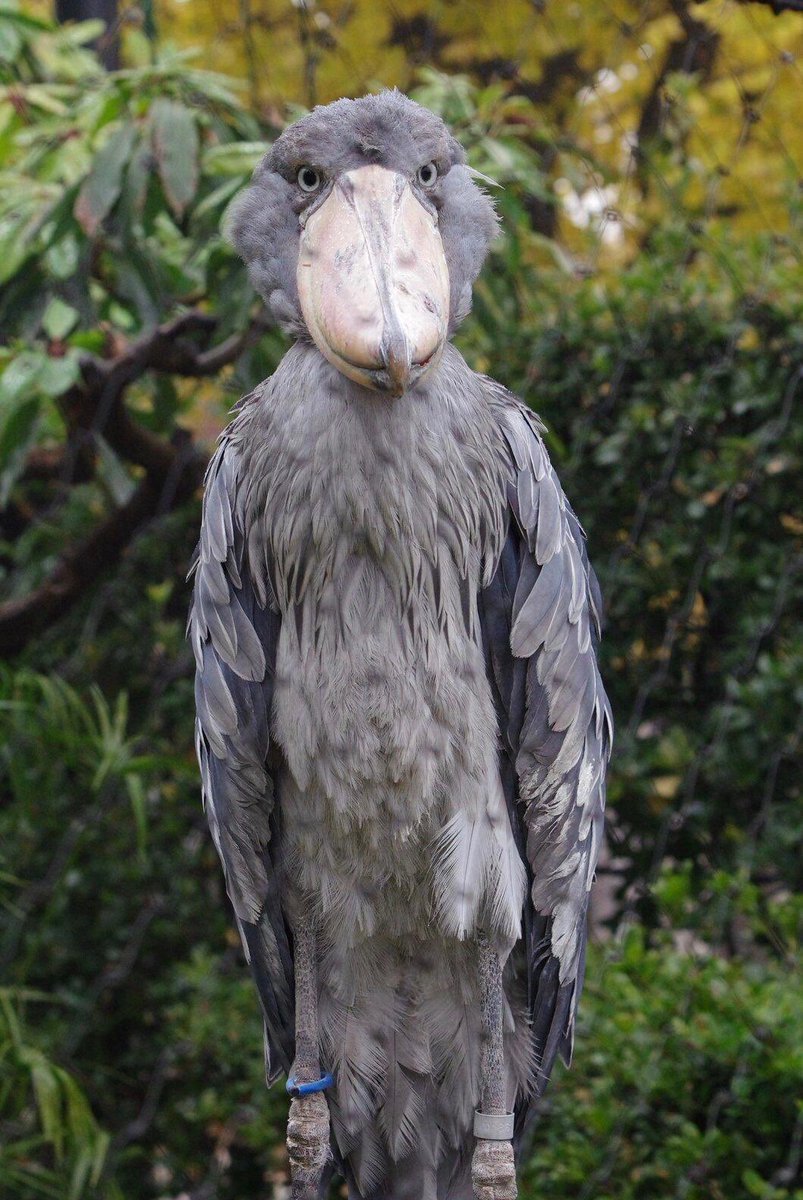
[(344, 483)]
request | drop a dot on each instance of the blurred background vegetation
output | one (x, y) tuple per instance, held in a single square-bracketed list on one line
[(645, 297)]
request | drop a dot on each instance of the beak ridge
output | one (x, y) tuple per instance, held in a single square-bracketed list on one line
[(396, 359), (373, 280)]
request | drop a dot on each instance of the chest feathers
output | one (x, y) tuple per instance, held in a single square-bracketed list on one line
[(374, 508)]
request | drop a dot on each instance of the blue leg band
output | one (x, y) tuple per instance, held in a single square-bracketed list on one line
[(294, 1088)]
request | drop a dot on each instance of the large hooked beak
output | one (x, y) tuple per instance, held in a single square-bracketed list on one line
[(373, 280)]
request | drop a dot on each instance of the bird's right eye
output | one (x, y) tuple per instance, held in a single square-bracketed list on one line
[(308, 179)]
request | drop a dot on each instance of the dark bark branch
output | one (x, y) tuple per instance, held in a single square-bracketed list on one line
[(695, 51), (107, 45), (38, 892), (56, 466), (61, 464), (173, 470), (135, 1130), (777, 6), (164, 348), (95, 403), (22, 619)]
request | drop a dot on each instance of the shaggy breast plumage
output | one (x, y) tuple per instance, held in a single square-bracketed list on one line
[(381, 703), (343, 487)]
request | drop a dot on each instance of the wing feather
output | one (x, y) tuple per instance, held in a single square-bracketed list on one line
[(234, 632), (541, 618)]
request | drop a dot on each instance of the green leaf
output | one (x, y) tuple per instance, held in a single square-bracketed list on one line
[(217, 199), (233, 158), (10, 1018), (81, 32), (61, 259), (175, 144), (139, 287), (30, 376), (59, 319), (45, 97), (15, 246), (10, 42), (101, 188), (17, 434), (136, 794), (138, 174), (80, 1121), (18, 381), (58, 375), (93, 340), (25, 20), (48, 1098), (80, 1173), (757, 1186), (113, 473)]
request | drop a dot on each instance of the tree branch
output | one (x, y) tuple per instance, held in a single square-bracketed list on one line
[(174, 469), (696, 50), (79, 567), (95, 403), (61, 464), (777, 6)]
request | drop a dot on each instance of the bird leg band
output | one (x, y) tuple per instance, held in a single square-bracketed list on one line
[(308, 1121), (494, 1127), (294, 1088), (493, 1168)]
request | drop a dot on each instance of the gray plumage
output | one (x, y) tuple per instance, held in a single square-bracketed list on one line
[(401, 724)]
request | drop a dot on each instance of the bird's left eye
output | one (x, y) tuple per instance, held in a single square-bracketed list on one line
[(308, 179), (427, 174)]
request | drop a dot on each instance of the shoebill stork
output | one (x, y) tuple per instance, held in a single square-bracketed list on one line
[(402, 730)]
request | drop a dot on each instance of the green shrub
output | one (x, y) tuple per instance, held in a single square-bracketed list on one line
[(686, 1079)]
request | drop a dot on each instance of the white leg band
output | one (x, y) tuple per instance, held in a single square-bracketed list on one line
[(494, 1127)]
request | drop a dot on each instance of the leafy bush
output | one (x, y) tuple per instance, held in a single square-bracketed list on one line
[(118, 289), (685, 1082), (58, 1126)]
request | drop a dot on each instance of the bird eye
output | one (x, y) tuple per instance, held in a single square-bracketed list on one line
[(308, 179), (427, 174)]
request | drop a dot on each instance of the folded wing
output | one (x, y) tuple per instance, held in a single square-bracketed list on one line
[(234, 638), (541, 622)]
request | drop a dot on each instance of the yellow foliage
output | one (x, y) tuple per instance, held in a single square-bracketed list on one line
[(589, 68), (724, 128)]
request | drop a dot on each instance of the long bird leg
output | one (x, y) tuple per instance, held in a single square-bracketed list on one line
[(308, 1121), (493, 1169)]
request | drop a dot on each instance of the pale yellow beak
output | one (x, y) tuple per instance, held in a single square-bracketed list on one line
[(373, 280)]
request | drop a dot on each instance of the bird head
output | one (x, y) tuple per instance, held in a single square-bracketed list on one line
[(364, 231)]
